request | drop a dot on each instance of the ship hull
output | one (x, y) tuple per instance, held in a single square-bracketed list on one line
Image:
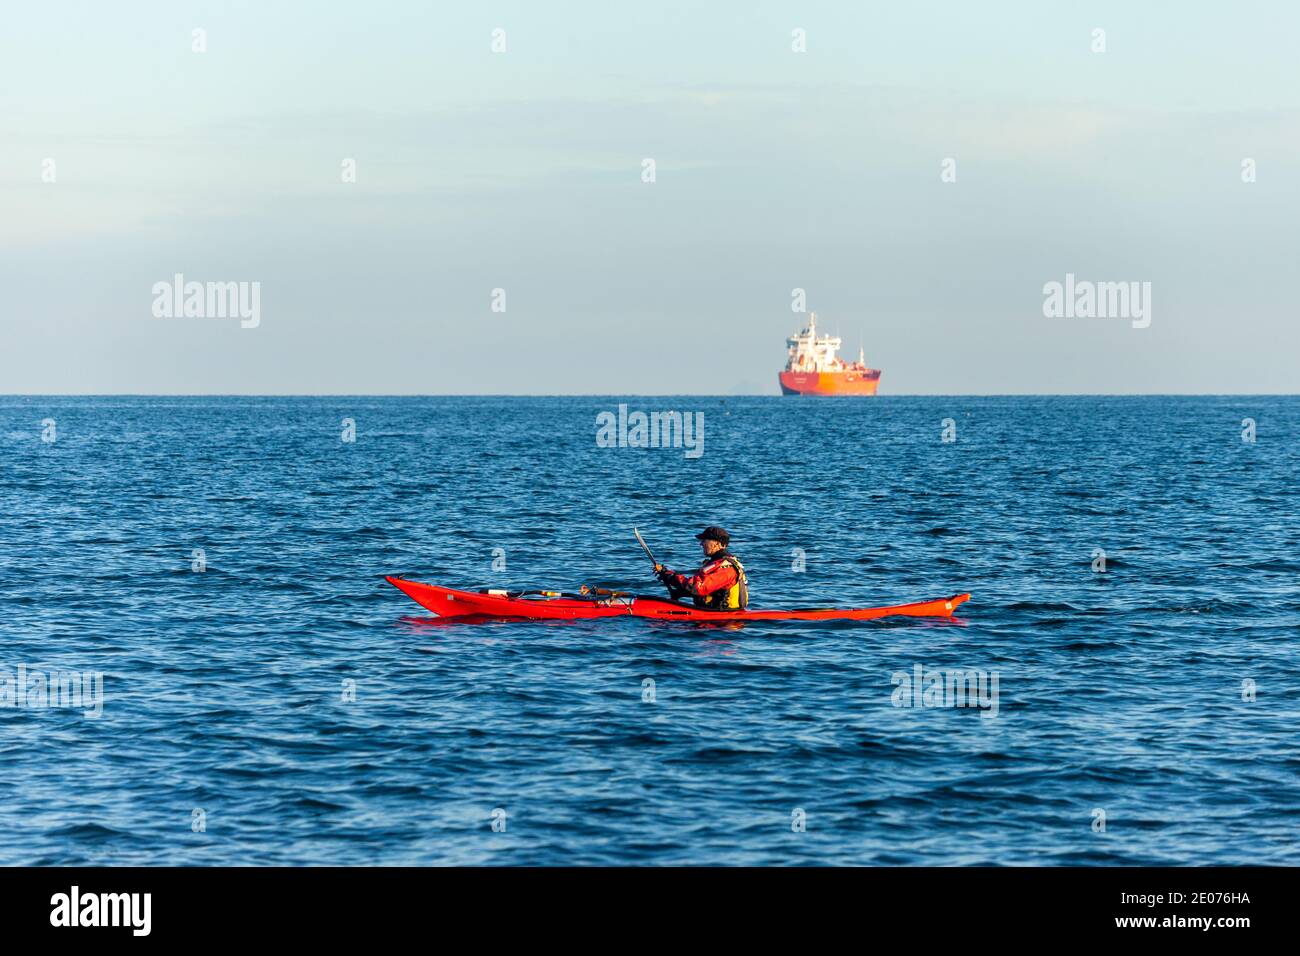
[(830, 383)]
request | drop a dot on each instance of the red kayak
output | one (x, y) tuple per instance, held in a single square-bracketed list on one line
[(448, 602)]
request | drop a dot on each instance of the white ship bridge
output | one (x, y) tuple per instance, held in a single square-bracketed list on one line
[(810, 353)]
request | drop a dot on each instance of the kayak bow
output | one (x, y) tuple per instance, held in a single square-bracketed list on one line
[(448, 602)]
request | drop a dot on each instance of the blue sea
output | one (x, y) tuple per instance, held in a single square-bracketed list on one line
[(266, 698)]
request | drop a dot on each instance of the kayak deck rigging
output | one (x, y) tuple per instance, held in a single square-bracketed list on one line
[(550, 605)]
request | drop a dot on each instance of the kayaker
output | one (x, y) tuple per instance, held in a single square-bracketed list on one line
[(720, 583)]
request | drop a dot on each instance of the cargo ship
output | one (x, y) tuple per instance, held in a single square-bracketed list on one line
[(814, 369)]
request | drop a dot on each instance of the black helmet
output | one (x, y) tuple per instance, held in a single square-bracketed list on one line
[(713, 532)]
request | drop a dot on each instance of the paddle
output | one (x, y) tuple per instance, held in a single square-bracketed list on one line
[(646, 548), (672, 593)]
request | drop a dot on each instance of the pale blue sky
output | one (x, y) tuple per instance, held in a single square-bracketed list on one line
[(521, 170)]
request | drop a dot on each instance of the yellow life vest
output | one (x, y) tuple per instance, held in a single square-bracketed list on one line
[(734, 598)]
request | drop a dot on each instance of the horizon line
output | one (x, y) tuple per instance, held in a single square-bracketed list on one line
[(812, 398)]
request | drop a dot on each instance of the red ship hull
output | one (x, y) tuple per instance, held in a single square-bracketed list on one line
[(830, 383)]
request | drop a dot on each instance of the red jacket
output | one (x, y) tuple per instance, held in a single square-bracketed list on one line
[(713, 575)]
